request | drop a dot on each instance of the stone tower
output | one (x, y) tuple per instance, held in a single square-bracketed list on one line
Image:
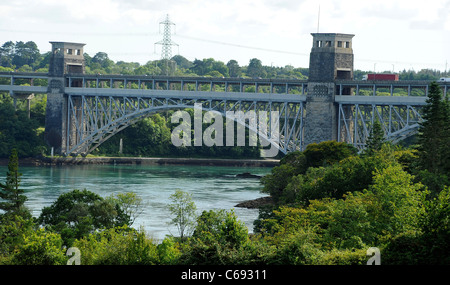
[(65, 58), (331, 59)]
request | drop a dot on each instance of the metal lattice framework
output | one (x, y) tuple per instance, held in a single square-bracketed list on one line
[(95, 118), (397, 121), (167, 42)]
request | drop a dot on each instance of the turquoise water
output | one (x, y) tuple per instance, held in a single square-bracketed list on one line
[(212, 188)]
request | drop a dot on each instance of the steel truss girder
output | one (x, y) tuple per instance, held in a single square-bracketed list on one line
[(398, 122), (92, 119)]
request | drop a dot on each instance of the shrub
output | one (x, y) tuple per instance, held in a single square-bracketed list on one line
[(218, 239), (117, 246), (40, 248), (343, 257)]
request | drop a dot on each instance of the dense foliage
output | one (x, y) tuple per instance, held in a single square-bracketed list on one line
[(327, 214)]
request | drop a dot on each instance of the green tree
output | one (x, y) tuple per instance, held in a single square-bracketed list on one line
[(234, 68), (182, 62), (436, 228), (219, 238), (183, 210), (434, 132), (295, 171), (78, 213), (117, 246), (101, 63), (375, 139), (401, 201), (327, 153), (25, 54), (434, 135), (255, 68), (40, 247), (17, 131), (10, 192), (351, 174), (13, 230), (7, 52), (276, 181), (129, 204)]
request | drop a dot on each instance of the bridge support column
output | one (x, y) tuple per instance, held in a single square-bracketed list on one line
[(322, 114), (56, 116), (66, 58)]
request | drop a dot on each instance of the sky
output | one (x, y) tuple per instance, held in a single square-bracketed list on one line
[(390, 35)]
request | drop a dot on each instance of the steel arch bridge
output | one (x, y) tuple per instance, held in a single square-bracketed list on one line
[(95, 118), (93, 108)]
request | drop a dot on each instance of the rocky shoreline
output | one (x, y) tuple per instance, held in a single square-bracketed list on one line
[(48, 161), (256, 203)]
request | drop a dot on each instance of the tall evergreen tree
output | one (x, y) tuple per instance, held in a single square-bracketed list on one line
[(375, 140), (434, 133), (12, 196), (434, 137)]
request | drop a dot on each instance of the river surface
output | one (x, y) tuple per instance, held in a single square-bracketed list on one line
[(212, 187)]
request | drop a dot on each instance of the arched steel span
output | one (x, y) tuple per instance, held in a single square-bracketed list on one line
[(95, 118)]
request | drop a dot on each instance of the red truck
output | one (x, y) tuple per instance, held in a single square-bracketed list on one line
[(381, 76)]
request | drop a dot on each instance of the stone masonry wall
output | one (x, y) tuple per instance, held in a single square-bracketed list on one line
[(320, 121)]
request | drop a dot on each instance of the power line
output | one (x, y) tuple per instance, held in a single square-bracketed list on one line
[(241, 46), (129, 34)]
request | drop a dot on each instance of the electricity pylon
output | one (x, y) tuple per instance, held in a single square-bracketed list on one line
[(166, 42)]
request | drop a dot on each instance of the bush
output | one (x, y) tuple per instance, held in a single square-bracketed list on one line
[(117, 246), (13, 229), (78, 213), (169, 252), (40, 248), (328, 153), (343, 257), (404, 249), (298, 248), (218, 239)]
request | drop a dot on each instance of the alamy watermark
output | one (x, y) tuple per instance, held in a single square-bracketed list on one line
[(375, 254), (262, 125)]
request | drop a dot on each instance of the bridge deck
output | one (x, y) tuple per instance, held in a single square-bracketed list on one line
[(294, 90)]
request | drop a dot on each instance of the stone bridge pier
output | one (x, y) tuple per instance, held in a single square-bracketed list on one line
[(65, 58)]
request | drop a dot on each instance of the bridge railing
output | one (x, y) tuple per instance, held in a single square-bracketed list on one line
[(196, 84), (404, 88), (23, 83)]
